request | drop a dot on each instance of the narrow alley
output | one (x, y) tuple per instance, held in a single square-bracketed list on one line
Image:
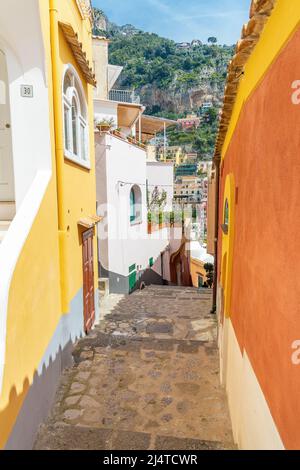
[(147, 377)]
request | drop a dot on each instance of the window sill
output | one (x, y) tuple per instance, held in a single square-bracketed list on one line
[(73, 159), (136, 222)]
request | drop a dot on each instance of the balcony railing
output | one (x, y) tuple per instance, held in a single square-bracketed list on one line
[(124, 96)]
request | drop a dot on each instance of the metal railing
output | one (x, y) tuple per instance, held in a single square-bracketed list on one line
[(124, 96)]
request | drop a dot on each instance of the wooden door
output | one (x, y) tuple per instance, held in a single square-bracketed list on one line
[(88, 280), (6, 161)]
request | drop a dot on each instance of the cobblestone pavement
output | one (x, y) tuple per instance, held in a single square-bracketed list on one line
[(147, 377)]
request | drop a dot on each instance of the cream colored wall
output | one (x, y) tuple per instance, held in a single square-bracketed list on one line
[(100, 54), (252, 422)]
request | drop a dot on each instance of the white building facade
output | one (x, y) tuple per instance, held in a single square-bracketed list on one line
[(128, 255)]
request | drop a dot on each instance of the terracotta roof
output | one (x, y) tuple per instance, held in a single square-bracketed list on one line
[(260, 11), (79, 54), (86, 9)]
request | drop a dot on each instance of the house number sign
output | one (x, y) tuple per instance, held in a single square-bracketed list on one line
[(27, 91)]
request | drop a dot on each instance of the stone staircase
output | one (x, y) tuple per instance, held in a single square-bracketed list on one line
[(146, 378), (7, 213)]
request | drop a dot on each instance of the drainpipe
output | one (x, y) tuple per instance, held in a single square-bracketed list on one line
[(217, 194), (162, 266), (140, 127), (59, 149)]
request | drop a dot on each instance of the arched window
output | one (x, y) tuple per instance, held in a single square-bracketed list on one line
[(226, 213), (75, 118), (135, 205), (225, 224)]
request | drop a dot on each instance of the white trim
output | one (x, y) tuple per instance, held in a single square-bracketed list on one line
[(11, 248), (137, 204), (75, 91), (72, 158)]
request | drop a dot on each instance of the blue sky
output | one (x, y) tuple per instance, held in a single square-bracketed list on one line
[(181, 20)]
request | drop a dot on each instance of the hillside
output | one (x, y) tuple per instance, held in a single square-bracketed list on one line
[(171, 79)]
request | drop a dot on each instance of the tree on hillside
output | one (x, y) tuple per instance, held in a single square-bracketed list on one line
[(212, 40)]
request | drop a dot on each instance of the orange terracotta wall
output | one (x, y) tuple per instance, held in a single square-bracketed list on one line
[(264, 157)]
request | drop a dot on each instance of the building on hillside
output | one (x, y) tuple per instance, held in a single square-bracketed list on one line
[(192, 121), (203, 219), (174, 154), (196, 43), (129, 254), (212, 225), (48, 275), (190, 180), (205, 107), (187, 193), (191, 157), (183, 45), (186, 169), (205, 167), (258, 309)]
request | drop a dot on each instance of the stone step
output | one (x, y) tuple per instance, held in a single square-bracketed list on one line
[(7, 210)]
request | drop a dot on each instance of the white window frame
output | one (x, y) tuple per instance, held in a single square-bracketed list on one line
[(75, 92), (138, 210)]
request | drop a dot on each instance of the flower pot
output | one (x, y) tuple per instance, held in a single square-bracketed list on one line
[(103, 127)]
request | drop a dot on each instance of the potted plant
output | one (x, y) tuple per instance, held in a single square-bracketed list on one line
[(149, 223), (172, 219), (160, 219), (117, 132), (105, 124)]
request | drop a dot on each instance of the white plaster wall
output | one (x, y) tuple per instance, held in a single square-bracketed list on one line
[(106, 110), (101, 197), (162, 175), (253, 425), (125, 166), (22, 43)]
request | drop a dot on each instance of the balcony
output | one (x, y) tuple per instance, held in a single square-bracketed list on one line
[(124, 96)]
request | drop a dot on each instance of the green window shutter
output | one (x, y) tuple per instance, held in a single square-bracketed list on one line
[(132, 268), (132, 206), (151, 262), (132, 277)]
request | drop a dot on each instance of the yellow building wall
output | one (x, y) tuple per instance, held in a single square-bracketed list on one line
[(197, 268), (35, 298)]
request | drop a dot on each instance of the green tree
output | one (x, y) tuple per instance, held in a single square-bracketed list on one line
[(209, 268), (212, 40)]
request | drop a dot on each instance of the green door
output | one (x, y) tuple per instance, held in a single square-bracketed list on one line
[(132, 277)]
